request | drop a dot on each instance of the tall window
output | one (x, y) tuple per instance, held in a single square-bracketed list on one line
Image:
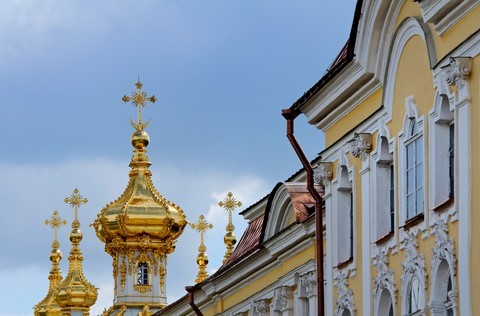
[(384, 197), (451, 161), (142, 273), (344, 218), (392, 198), (442, 154), (414, 148)]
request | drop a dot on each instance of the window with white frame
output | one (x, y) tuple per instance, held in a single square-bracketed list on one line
[(414, 302), (142, 273), (442, 146), (385, 304), (449, 308), (344, 217), (414, 171), (385, 190)]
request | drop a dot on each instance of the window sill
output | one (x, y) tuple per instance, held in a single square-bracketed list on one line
[(444, 204), (384, 238), (414, 221), (344, 264), (142, 288)]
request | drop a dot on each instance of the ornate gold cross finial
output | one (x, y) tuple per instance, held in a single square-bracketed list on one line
[(139, 99), (230, 204), (55, 222), (75, 200), (202, 226)]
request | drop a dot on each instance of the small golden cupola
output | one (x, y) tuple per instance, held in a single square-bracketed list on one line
[(139, 229), (48, 306), (75, 295)]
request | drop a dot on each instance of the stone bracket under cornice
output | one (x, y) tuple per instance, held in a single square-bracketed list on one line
[(453, 80), (361, 145), (323, 173)]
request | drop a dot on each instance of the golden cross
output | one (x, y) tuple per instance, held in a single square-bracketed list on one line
[(76, 200), (139, 99), (55, 222), (230, 204), (201, 226)]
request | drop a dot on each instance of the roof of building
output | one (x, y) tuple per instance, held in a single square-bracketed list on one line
[(345, 56)]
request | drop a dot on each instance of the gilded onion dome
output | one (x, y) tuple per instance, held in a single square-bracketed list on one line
[(75, 292), (141, 210)]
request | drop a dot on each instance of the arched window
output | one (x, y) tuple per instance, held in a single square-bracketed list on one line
[(444, 293), (385, 304), (448, 302), (142, 273), (414, 298), (346, 313), (414, 171)]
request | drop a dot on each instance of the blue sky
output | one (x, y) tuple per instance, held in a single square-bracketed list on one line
[(222, 71)]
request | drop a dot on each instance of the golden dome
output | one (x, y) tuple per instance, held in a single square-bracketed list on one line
[(75, 292), (141, 210)]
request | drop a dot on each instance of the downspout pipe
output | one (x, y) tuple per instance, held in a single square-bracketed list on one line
[(290, 115), (191, 299)]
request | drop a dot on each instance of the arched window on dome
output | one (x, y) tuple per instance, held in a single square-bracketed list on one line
[(142, 273)]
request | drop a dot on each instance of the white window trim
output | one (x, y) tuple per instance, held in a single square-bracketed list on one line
[(439, 183), (344, 162), (411, 114), (383, 132)]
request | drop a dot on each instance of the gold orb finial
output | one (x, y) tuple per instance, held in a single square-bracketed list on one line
[(230, 203), (201, 226)]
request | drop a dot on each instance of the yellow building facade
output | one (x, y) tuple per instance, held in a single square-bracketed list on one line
[(399, 108)]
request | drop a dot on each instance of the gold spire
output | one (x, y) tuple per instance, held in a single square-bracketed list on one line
[(75, 292), (139, 99), (202, 259), (141, 226), (230, 204), (48, 306)]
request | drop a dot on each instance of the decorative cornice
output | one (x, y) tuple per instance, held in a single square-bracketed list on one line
[(361, 145), (323, 173)]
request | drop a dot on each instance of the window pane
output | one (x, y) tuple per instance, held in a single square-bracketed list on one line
[(419, 176), (410, 205), (419, 202), (410, 181), (414, 128), (410, 155), (419, 150)]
